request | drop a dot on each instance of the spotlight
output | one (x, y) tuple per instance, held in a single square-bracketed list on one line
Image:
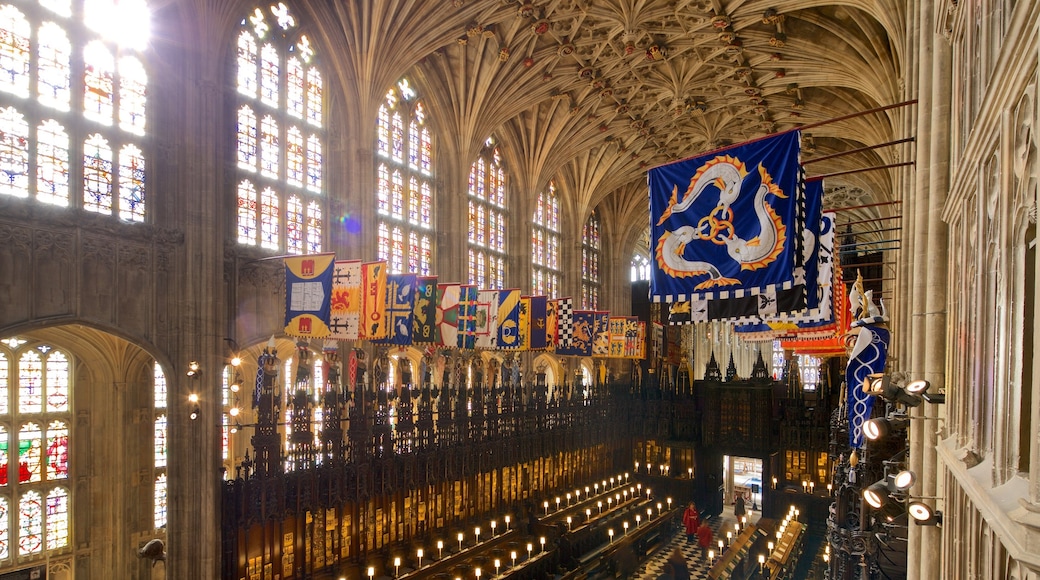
[(194, 413), (917, 387), (878, 428), (923, 514), (235, 361), (193, 398), (904, 480), (881, 385), (193, 369), (876, 494)]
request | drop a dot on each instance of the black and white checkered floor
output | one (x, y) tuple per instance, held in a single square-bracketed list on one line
[(695, 562)]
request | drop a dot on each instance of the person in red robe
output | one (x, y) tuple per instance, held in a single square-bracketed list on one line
[(704, 537), (691, 518)]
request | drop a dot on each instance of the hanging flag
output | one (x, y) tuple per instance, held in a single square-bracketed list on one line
[(424, 313), (657, 340), (601, 336), (523, 326), (617, 327), (822, 313), (582, 334), (346, 300), (725, 231), (539, 304), (639, 347), (487, 319), (448, 315), (400, 301), (868, 356), (564, 321), (551, 325), (509, 319), (467, 336), (373, 301), (308, 295)]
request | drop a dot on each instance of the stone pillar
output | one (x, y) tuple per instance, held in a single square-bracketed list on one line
[(935, 292), (915, 253)]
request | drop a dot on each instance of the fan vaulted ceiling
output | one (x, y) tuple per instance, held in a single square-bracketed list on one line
[(598, 91)]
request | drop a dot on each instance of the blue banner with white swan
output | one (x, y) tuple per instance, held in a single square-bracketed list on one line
[(725, 231)]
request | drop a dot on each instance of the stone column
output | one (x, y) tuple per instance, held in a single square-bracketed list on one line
[(935, 292), (915, 254)]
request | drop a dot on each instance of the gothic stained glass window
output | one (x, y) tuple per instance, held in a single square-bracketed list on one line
[(131, 184), (279, 137), (247, 217), (98, 79), (39, 131), (160, 501), (52, 169), (55, 76), (403, 186), (4, 385), (57, 450), (14, 51), (159, 445), (97, 175), (4, 458), (294, 226), (545, 243), (30, 383), (57, 383), (14, 153), (30, 524), (36, 379), (487, 218), (30, 453), (590, 247), (160, 441), (778, 361), (5, 522), (132, 95), (57, 519), (640, 268)]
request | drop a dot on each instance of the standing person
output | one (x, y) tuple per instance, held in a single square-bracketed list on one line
[(704, 538), (691, 518), (738, 507), (679, 569)]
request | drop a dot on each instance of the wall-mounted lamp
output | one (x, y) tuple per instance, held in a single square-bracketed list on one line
[(882, 385), (193, 369), (923, 514), (195, 412), (876, 494), (880, 427)]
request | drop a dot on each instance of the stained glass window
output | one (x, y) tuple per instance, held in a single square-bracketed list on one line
[(159, 445), (97, 175), (640, 268), (590, 247), (55, 76), (5, 522), (404, 200), (809, 366), (160, 501), (35, 387), (30, 383), (57, 450), (778, 361), (30, 524), (279, 135), (39, 50), (487, 217), (160, 441), (4, 438), (52, 169), (57, 519), (545, 243), (14, 153), (14, 51)]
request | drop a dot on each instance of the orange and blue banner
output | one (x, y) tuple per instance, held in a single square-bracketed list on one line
[(509, 319), (308, 295)]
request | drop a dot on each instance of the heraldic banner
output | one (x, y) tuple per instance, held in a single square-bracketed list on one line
[(725, 231), (308, 295)]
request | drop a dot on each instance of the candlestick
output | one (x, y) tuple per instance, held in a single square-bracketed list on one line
[(419, 555)]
